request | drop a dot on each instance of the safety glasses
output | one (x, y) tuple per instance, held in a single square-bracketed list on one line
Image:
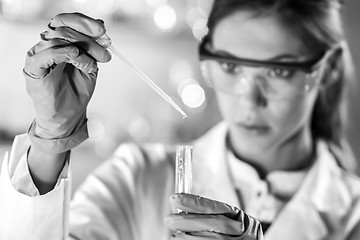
[(281, 80)]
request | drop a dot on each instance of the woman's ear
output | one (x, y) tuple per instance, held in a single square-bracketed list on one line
[(334, 68), (204, 67)]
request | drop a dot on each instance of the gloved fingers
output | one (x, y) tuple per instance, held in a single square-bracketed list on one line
[(203, 236), (84, 63), (81, 23), (196, 204), (37, 66), (200, 222), (84, 42), (45, 44)]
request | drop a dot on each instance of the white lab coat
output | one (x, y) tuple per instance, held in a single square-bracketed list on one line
[(127, 197)]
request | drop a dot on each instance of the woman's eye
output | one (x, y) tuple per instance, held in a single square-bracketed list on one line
[(281, 73), (229, 67)]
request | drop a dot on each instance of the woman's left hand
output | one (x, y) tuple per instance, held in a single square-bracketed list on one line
[(196, 218)]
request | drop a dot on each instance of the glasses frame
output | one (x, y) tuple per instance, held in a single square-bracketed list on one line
[(308, 66)]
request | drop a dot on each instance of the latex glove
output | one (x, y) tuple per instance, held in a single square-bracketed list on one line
[(203, 218), (60, 73)]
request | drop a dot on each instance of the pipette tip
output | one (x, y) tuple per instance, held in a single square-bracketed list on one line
[(178, 109)]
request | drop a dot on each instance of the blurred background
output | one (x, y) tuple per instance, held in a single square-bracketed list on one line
[(161, 38)]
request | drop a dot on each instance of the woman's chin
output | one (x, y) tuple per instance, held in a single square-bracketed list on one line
[(250, 141)]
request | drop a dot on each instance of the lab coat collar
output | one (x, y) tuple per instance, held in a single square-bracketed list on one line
[(320, 205), (317, 208)]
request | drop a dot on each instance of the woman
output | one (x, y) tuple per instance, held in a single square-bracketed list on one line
[(278, 70)]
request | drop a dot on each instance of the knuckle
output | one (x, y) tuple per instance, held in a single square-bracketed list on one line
[(32, 67), (57, 18), (30, 53), (87, 65), (100, 29), (94, 27), (61, 19), (79, 14), (60, 15), (64, 15), (30, 61)]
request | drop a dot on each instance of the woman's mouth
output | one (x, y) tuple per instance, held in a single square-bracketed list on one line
[(253, 128)]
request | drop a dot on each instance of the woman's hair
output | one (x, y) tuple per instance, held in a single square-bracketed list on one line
[(319, 24)]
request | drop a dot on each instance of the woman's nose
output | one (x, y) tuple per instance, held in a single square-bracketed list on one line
[(249, 91)]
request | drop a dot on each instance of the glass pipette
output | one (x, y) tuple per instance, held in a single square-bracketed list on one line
[(106, 42)]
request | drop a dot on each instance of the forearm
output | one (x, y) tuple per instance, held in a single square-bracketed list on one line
[(45, 168)]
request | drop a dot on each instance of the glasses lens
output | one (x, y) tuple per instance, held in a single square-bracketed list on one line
[(273, 82)]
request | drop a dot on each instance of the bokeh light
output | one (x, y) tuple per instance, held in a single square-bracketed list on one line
[(165, 17), (20, 9), (195, 14), (96, 130), (200, 29), (205, 5), (80, 1), (184, 82), (12, 8), (107, 6), (156, 3), (193, 95), (139, 129)]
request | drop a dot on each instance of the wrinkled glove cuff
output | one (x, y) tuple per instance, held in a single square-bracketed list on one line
[(58, 145)]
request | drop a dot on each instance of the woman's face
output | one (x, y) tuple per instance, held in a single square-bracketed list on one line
[(258, 123)]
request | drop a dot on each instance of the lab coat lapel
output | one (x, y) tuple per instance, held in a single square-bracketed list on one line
[(211, 178), (319, 206)]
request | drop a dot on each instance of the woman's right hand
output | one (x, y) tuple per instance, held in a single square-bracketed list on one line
[(61, 72)]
